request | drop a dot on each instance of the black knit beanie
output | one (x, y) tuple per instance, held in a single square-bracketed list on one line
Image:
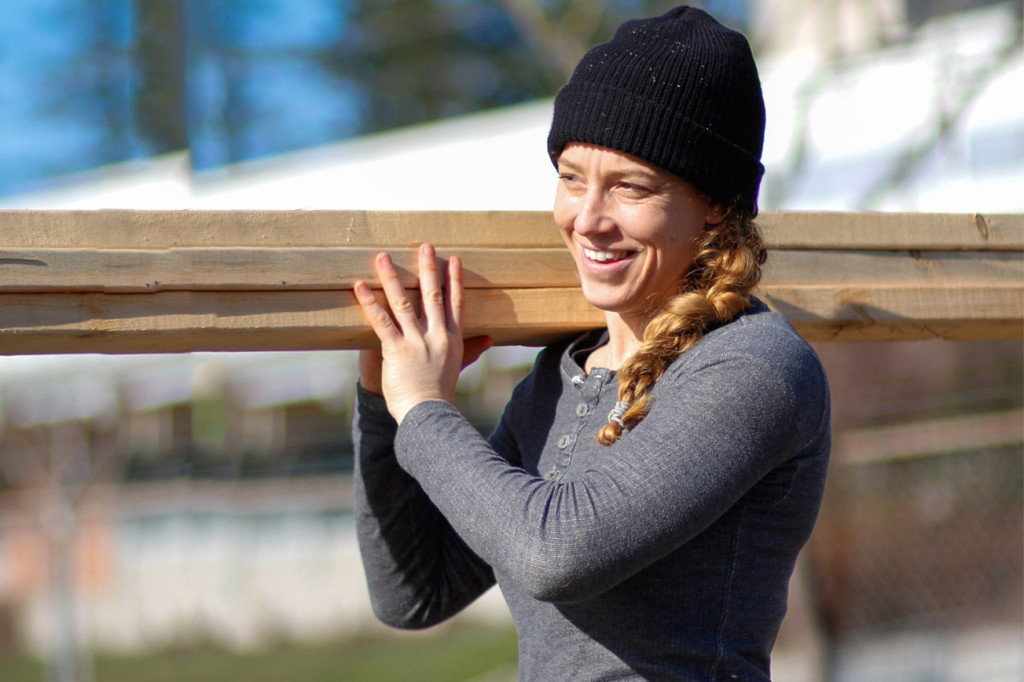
[(679, 91)]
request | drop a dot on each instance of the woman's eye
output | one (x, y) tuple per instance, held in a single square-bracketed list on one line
[(570, 180), (637, 190)]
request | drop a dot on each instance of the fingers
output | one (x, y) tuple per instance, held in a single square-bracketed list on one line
[(441, 312), (431, 293), (377, 315), (401, 305), (456, 303)]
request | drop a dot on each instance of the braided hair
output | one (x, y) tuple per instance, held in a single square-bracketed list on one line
[(715, 290)]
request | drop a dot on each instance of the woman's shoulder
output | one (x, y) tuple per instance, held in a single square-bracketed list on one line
[(758, 359), (760, 330), (762, 340)]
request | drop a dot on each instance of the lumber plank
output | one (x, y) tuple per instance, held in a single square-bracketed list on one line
[(289, 268), (188, 321), (185, 321), (880, 312), (128, 229), (113, 229), (895, 268), (179, 281), (893, 231)]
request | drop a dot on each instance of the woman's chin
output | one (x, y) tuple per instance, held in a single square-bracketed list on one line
[(608, 301)]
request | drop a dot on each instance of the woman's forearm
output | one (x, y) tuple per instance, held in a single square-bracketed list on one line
[(419, 572)]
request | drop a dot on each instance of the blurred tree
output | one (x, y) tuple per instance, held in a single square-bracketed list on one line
[(417, 60), (562, 30), (230, 80), (65, 74), (158, 92), (920, 11)]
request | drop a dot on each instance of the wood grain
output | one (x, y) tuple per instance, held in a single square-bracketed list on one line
[(218, 321), (181, 281), (123, 229), (291, 268)]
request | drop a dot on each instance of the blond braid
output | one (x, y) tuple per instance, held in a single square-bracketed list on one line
[(714, 290)]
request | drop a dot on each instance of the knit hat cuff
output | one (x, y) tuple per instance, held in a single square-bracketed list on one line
[(616, 118)]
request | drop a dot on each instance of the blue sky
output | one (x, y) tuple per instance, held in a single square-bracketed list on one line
[(255, 81), (66, 71)]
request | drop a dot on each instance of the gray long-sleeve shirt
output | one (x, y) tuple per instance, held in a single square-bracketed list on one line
[(664, 556)]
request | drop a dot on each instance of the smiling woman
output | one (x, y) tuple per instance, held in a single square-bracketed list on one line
[(657, 252), (656, 542), (631, 227)]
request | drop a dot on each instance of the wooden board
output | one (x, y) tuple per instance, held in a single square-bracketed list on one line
[(219, 321), (293, 268), (866, 312), (184, 321), (123, 229), (284, 268), (179, 281)]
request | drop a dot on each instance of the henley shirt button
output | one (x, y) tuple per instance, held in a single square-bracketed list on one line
[(551, 474), (564, 441), (581, 410)]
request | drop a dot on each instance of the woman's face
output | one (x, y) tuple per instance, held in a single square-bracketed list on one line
[(631, 227)]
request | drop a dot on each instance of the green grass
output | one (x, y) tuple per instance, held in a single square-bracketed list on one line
[(457, 655)]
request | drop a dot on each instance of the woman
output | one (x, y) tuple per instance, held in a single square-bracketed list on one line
[(656, 542)]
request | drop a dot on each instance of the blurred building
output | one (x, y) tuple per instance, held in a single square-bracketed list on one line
[(194, 498)]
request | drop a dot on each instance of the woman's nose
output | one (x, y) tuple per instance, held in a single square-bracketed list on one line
[(592, 216)]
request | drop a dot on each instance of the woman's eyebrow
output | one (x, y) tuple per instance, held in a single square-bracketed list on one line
[(637, 173), (568, 164), (640, 175), (628, 173)]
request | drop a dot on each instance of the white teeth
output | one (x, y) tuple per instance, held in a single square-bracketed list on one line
[(604, 256)]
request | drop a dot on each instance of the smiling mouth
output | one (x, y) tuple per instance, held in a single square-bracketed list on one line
[(605, 256)]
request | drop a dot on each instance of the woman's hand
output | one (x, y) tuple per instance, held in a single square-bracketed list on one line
[(421, 352)]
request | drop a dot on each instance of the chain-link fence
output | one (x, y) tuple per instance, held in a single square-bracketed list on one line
[(920, 541), (934, 541)]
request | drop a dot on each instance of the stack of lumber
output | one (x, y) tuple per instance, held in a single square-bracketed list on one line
[(180, 281)]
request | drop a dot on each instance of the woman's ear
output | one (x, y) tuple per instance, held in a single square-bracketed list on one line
[(716, 214)]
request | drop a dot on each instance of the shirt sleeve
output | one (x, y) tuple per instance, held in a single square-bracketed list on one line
[(723, 417), (418, 571)]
